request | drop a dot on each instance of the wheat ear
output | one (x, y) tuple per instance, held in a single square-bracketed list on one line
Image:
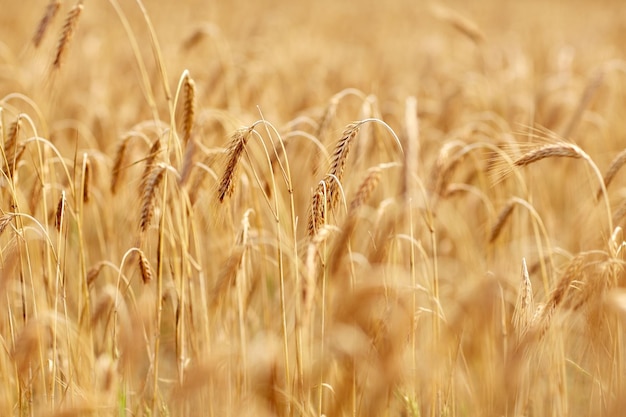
[(87, 180), (317, 214), (235, 150), (154, 151), (366, 188), (524, 308), (69, 27), (51, 11), (189, 108), (60, 212), (117, 164), (503, 217), (561, 149), (13, 151), (148, 196), (144, 268), (614, 167), (338, 163)]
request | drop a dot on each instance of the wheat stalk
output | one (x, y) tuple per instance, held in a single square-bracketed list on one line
[(69, 27)]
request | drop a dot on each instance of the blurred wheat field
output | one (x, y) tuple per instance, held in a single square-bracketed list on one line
[(280, 208)]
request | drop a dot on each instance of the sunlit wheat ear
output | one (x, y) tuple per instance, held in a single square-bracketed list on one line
[(144, 268), (116, 173), (338, 162), (60, 212), (148, 196), (69, 27), (556, 150), (235, 151), (614, 167), (503, 217), (443, 166), (366, 188), (153, 153), (558, 295), (524, 307), (189, 108), (317, 213), (51, 11)]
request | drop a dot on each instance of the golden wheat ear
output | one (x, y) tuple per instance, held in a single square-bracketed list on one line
[(235, 150), (148, 196), (69, 27), (51, 11)]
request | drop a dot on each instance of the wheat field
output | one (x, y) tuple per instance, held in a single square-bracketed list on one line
[(331, 208)]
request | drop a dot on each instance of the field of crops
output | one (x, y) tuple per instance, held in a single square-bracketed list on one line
[(328, 208)]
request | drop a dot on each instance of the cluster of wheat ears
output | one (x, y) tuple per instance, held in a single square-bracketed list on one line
[(427, 229)]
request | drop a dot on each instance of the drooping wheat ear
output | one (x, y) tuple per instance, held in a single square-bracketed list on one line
[(503, 217), (87, 180), (366, 188), (189, 108), (144, 267), (235, 150), (69, 27), (338, 162), (148, 194), (51, 11), (614, 167), (561, 149), (317, 214), (154, 151), (5, 220), (524, 307), (60, 213), (117, 164)]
